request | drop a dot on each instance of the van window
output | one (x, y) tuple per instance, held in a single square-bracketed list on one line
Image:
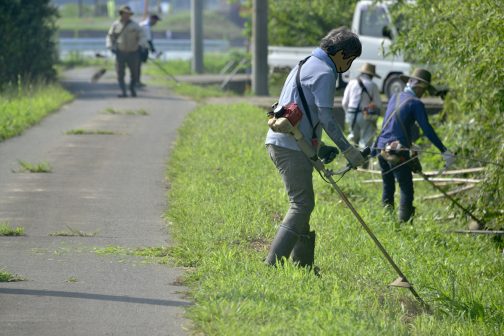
[(373, 19)]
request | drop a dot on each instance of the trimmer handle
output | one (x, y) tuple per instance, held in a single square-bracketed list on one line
[(365, 153)]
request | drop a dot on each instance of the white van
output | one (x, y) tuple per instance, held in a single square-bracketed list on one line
[(373, 24)]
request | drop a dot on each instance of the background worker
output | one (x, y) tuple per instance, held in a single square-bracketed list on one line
[(317, 77), (362, 104), (146, 25), (126, 39), (403, 110)]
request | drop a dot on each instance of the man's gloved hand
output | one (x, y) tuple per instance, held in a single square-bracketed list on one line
[(327, 153), (449, 158), (354, 157)]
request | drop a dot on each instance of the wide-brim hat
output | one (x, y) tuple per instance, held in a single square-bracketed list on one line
[(369, 69), (423, 76), (125, 9)]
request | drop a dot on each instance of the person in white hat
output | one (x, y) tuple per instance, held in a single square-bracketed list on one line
[(126, 40), (362, 105)]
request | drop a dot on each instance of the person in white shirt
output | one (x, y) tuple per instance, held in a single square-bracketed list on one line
[(362, 105), (146, 26)]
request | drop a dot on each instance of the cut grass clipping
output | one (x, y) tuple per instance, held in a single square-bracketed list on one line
[(227, 202), (80, 131), (71, 232), (9, 277), (7, 230), (158, 255), (139, 112), (42, 167)]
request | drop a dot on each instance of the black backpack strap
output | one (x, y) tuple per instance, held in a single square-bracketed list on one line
[(303, 98), (363, 87), (395, 113)]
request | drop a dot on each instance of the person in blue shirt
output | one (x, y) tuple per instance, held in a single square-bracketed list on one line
[(403, 110), (317, 77)]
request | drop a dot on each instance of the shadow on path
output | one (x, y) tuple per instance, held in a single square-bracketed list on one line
[(93, 296)]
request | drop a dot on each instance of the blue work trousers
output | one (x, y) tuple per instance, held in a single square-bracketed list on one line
[(404, 177)]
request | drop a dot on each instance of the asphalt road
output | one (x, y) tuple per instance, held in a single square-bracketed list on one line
[(113, 185)]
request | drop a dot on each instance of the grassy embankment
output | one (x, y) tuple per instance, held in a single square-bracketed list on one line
[(23, 107), (215, 25), (226, 201)]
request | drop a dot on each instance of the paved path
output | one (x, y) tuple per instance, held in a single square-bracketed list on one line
[(112, 184)]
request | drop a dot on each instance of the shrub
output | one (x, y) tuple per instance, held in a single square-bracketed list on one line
[(26, 36)]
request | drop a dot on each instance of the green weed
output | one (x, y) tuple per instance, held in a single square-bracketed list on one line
[(152, 254), (225, 207), (7, 230), (41, 167)]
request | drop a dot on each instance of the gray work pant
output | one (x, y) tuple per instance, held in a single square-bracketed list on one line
[(362, 131), (296, 171), (132, 60)]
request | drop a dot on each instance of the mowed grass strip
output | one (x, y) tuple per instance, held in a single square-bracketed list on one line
[(23, 107), (226, 201)]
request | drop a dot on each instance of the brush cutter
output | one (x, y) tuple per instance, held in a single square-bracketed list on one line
[(156, 63), (480, 222), (98, 74), (284, 125)]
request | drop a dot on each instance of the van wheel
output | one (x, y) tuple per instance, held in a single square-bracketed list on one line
[(393, 84)]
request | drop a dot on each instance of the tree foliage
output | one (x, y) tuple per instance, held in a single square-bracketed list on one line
[(27, 38), (303, 22), (463, 42)]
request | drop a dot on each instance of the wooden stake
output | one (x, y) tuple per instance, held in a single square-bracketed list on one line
[(432, 173), (452, 192), (436, 179)]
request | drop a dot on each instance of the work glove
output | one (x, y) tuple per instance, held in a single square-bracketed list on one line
[(449, 158), (327, 153), (354, 157)]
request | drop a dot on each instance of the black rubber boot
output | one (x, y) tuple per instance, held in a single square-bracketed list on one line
[(405, 213), (281, 246), (303, 252), (132, 90), (122, 86)]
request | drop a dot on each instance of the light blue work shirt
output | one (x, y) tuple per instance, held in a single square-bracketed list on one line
[(318, 80)]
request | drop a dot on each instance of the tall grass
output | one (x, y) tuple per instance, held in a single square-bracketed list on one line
[(26, 105), (226, 202)]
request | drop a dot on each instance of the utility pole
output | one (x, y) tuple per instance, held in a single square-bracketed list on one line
[(146, 9), (260, 48), (80, 9), (197, 35)]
